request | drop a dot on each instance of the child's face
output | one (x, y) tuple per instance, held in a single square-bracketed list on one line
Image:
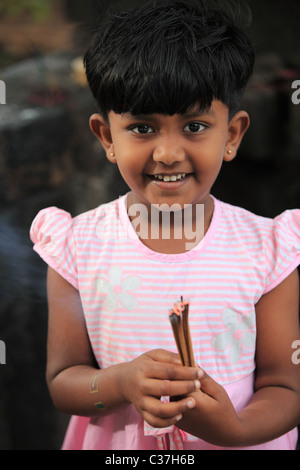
[(171, 159)]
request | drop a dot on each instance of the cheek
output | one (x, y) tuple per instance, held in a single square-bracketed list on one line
[(209, 162), (129, 166)]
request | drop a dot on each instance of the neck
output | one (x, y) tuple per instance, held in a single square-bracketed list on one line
[(172, 232)]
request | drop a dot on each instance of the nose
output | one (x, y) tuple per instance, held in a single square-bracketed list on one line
[(168, 152)]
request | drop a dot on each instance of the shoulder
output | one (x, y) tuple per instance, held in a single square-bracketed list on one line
[(272, 243), (59, 238), (49, 221), (243, 217), (56, 221), (238, 218), (99, 223), (238, 226), (102, 212)]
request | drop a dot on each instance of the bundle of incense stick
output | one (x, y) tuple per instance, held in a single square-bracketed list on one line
[(178, 317)]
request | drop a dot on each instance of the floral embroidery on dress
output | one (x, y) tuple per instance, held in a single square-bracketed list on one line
[(117, 289), (237, 334)]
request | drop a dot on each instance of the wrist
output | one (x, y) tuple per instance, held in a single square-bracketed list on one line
[(123, 382), (114, 378), (105, 389)]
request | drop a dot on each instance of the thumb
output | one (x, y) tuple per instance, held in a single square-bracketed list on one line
[(209, 386)]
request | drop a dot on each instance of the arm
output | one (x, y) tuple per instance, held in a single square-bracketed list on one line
[(78, 386), (71, 366), (275, 406)]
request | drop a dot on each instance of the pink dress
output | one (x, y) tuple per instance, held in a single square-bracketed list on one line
[(127, 290)]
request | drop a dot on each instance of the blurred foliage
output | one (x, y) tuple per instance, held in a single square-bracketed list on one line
[(32, 9)]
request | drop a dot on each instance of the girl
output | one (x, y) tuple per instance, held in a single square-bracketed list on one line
[(168, 80)]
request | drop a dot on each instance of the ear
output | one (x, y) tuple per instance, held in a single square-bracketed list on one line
[(236, 131), (100, 127)]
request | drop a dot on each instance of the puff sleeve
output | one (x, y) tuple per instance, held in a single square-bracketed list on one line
[(282, 249), (52, 235)]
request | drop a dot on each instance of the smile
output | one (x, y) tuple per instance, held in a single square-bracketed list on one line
[(170, 178), (170, 182)]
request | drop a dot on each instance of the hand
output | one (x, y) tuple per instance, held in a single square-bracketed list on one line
[(213, 418), (153, 375)]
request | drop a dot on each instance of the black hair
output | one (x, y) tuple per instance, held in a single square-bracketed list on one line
[(167, 57)]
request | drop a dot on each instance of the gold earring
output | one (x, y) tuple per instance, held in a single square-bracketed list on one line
[(112, 154), (229, 151)]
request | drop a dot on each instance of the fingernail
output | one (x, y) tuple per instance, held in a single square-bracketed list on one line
[(190, 404), (179, 417), (197, 384), (200, 373)]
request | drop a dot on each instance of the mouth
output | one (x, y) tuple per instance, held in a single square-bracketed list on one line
[(171, 178), (169, 181)]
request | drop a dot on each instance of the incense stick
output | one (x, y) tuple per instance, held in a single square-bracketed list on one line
[(186, 330), (177, 332), (179, 321)]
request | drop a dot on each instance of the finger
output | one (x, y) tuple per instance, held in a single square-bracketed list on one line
[(160, 388), (159, 414), (209, 386), (162, 355), (158, 422), (167, 371)]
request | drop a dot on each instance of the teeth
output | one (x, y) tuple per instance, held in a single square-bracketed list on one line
[(171, 178)]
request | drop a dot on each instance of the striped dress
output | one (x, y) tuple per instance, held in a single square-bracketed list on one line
[(127, 290)]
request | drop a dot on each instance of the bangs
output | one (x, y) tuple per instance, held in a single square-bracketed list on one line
[(167, 60), (159, 79)]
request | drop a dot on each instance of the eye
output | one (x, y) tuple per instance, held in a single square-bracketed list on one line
[(194, 127), (142, 129)]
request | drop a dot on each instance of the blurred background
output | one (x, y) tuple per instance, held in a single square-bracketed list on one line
[(48, 156)]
